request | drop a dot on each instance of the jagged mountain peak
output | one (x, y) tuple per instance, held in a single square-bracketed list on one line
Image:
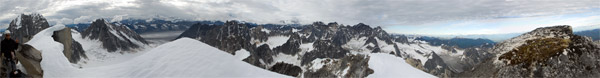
[(318, 23), (113, 37), (26, 25), (33, 16), (361, 26)]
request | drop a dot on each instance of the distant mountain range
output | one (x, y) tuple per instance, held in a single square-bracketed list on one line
[(144, 25), (459, 42), (594, 33)]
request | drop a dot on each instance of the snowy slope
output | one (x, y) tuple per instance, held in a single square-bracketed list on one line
[(390, 66), (275, 41), (180, 58)]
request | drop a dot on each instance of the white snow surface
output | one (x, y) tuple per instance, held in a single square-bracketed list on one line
[(319, 63), (113, 31), (384, 46), (18, 22), (390, 66), (422, 51), (357, 45), (181, 58), (242, 54), (286, 58), (265, 30), (295, 30), (307, 47), (275, 41)]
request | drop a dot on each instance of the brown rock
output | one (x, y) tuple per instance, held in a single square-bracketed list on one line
[(30, 58)]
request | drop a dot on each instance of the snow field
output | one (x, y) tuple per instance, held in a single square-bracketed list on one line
[(180, 58)]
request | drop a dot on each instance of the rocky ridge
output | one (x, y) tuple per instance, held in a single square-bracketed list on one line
[(114, 37), (544, 52)]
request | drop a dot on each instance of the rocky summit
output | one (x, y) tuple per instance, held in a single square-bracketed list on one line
[(544, 52)]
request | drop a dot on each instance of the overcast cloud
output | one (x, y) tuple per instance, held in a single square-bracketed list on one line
[(372, 12)]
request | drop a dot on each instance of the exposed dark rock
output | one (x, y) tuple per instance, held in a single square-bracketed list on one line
[(30, 58), (72, 49), (230, 37), (400, 38), (25, 26), (262, 53), (325, 49), (436, 65), (355, 65), (113, 37), (287, 69), (291, 47), (321, 73)]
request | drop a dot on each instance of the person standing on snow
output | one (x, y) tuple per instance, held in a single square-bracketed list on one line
[(8, 47)]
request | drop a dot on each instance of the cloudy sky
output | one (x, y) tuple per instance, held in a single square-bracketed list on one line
[(432, 17)]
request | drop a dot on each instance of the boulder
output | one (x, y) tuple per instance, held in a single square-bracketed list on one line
[(30, 59)]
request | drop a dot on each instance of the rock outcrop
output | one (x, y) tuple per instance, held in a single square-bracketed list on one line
[(544, 52), (30, 59), (72, 49)]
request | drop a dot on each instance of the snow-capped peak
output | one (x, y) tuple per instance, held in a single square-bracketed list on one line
[(113, 37)]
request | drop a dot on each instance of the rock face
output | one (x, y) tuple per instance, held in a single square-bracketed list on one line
[(113, 37), (287, 69), (30, 58), (25, 26), (72, 49), (544, 52), (230, 37), (271, 45)]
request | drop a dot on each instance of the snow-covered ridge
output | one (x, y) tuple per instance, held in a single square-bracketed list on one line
[(386, 65), (185, 58)]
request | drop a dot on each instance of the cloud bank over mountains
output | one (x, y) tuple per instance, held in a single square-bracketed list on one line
[(374, 12)]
